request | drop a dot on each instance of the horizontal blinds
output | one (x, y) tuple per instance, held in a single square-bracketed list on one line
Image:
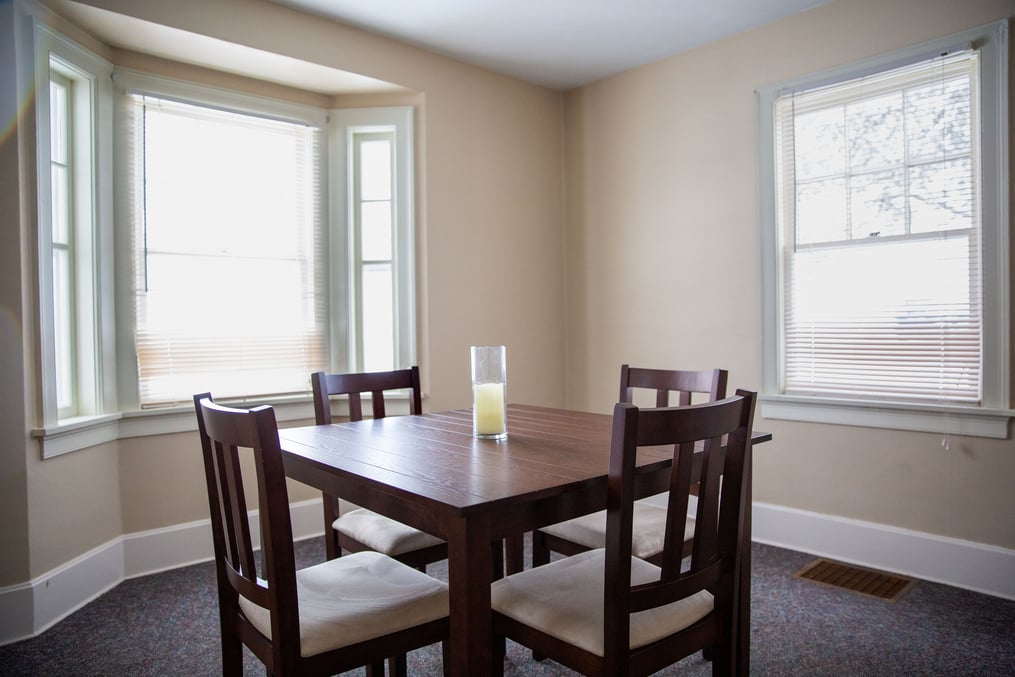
[(878, 204), (228, 240)]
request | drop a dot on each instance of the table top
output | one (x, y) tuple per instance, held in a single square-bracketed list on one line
[(435, 459)]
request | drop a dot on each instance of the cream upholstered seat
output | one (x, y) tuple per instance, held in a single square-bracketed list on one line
[(606, 612), (356, 598), (564, 599), (589, 531), (322, 620), (361, 529), (383, 534)]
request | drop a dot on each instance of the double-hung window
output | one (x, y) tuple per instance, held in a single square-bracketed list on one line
[(229, 278), (74, 235), (885, 217), (371, 172)]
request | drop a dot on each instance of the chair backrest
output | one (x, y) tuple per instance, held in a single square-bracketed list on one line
[(224, 432), (696, 433), (353, 385), (710, 382)]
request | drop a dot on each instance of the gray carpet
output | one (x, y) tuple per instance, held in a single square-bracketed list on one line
[(166, 624)]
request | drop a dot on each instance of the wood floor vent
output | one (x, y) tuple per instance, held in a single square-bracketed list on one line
[(870, 582)]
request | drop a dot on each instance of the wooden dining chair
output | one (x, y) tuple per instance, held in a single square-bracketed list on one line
[(671, 387), (321, 620), (606, 612), (361, 529)]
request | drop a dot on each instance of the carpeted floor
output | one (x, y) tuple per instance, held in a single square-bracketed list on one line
[(166, 624)]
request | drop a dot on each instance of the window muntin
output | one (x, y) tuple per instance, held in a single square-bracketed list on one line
[(228, 207)]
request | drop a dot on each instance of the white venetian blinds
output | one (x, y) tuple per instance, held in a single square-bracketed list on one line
[(878, 207), (228, 240)]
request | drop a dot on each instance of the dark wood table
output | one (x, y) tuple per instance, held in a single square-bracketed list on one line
[(429, 472)]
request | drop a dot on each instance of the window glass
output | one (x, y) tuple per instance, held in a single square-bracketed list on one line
[(881, 235), (64, 321), (230, 292)]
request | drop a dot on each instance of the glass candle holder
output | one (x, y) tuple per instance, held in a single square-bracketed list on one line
[(489, 392)]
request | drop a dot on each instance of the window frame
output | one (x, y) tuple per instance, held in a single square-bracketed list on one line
[(90, 133), (990, 418), (345, 282), (211, 100)]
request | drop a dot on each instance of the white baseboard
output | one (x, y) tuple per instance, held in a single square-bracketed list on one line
[(951, 561), (29, 609), (32, 608)]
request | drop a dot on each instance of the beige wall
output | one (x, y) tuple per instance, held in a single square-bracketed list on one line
[(663, 249), (14, 559)]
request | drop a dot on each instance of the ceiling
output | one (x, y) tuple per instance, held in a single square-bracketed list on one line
[(558, 44)]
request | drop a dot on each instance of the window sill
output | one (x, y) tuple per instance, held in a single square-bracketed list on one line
[(88, 431), (931, 418)]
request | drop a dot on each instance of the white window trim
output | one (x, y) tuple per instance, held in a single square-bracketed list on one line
[(96, 206), (989, 420), (344, 123)]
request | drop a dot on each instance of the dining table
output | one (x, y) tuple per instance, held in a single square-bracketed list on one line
[(430, 472)]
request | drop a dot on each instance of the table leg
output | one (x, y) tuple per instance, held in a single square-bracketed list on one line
[(469, 566)]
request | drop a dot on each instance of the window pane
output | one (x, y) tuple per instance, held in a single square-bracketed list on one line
[(375, 231), (60, 208), (378, 318), (881, 331), (58, 114), (878, 204), (821, 212), (875, 131), (938, 120), (375, 170), (63, 329), (941, 196), (820, 144), (243, 193)]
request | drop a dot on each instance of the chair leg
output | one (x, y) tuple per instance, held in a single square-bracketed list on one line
[(499, 651), (375, 669), (398, 666), (540, 553), (497, 556), (331, 547), (514, 554), (446, 658), (232, 656)]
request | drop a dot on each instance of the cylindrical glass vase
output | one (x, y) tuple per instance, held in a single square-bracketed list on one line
[(489, 392)]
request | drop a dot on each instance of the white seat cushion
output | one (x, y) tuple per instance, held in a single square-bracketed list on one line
[(355, 598), (565, 599), (383, 534), (647, 540)]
